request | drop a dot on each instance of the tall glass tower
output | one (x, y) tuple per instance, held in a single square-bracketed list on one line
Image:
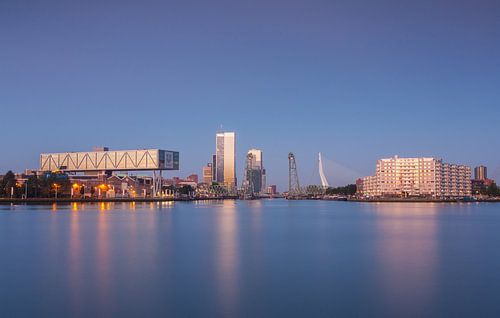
[(225, 156), (259, 173)]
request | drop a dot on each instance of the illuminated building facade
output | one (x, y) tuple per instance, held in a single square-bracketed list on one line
[(417, 177), (225, 169), (480, 173), (207, 174)]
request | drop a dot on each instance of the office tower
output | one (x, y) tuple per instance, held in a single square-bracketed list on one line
[(214, 166), (480, 173), (424, 177), (225, 152), (207, 174), (258, 171)]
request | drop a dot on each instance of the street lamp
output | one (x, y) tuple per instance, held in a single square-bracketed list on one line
[(56, 186), (75, 187)]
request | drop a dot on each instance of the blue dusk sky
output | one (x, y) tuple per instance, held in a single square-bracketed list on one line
[(356, 80)]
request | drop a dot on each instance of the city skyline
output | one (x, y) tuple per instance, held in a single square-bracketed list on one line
[(357, 81), (264, 158), (346, 174)]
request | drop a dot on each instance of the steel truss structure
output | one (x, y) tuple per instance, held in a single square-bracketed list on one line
[(123, 160)]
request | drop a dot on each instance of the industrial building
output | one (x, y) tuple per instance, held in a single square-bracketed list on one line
[(106, 160), (100, 169)]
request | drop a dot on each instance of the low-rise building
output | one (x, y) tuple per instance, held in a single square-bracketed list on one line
[(272, 190)]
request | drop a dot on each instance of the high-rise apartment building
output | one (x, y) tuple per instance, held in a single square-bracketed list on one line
[(423, 177), (225, 152), (480, 173), (258, 171)]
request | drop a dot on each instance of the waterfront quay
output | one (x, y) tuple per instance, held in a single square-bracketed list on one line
[(96, 200), (187, 199)]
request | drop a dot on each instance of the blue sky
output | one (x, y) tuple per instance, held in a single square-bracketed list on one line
[(356, 80)]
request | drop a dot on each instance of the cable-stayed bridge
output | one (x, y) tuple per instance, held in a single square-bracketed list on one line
[(319, 182)]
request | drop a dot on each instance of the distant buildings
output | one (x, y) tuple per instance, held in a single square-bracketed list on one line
[(258, 171), (480, 173), (480, 183), (193, 177), (271, 190), (207, 174), (225, 168), (419, 177)]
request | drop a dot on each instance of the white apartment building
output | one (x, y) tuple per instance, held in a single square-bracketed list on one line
[(422, 177)]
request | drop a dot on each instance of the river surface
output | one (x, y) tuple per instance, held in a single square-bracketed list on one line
[(268, 258)]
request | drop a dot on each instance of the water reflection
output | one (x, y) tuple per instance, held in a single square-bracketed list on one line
[(75, 261), (227, 258), (105, 206), (103, 259), (407, 255), (256, 217)]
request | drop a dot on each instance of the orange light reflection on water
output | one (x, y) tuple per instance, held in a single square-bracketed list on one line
[(227, 256)]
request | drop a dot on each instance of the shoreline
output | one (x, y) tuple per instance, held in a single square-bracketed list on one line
[(4, 201), (99, 200), (388, 200)]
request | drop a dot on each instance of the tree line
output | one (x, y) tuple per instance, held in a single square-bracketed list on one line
[(349, 189), (43, 186), (492, 190)]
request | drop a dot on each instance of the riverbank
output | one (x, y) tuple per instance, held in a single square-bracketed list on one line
[(96, 200), (170, 199), (413, 200)]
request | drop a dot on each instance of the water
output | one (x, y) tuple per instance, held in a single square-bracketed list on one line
[(250, 259)]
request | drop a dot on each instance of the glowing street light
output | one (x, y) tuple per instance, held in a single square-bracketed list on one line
[(56, 187), (74, 188)]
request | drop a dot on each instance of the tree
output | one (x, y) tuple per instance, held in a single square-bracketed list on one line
[(349, 189), (493, 190), (50, 181), (186, 189), (8, 182), (33, 186)]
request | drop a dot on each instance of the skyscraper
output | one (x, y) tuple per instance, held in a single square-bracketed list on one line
[(259, 173), (214, 168), (480, 173), (225, 152)]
